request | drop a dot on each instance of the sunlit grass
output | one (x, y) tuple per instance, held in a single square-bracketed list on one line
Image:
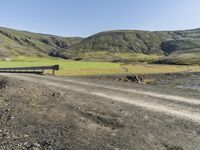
[(121, 57), (78, 68)]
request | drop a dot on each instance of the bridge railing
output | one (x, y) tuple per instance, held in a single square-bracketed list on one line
[(37, 69)]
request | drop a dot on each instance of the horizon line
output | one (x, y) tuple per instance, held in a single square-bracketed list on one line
[(109, 30)]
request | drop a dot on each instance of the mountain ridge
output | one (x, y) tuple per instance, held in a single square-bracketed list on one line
[(162, 43), (16, 42)]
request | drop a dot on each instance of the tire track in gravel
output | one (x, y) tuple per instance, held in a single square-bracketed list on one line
[(147, 93), (85, 87)]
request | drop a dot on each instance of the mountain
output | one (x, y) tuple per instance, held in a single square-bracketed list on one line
[(169, 44), (16, 43), (121, 41), (175, 47)]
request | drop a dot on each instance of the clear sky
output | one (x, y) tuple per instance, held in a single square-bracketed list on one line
[(86, 17)]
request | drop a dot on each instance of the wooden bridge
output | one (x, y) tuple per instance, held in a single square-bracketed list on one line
[(36, 70)]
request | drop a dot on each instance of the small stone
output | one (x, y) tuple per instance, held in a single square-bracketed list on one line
[(113, 134), (26, 135), (12, 118), (14, 137), (36, 144), (20, 144), (26, 143)]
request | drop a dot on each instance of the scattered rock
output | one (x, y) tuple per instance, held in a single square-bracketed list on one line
[(134, 78), (54, 94), (2, 84)]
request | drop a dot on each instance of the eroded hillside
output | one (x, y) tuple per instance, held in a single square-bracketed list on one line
[(174, 47), (14, 43)]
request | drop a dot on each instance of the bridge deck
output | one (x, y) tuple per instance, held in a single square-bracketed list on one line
[(37, 70)]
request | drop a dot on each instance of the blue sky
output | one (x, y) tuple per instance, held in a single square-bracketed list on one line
[(86, 17)]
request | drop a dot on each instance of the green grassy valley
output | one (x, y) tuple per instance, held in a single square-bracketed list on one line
[(85, 68), (125, 46), (165, 47)]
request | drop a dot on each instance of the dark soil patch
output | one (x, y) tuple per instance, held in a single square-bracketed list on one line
[(177, 80), (3, 83)]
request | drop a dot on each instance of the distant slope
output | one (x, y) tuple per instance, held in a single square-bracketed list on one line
[(108, 43), (174, 47), (164, 43), (121, 41), (14, 43), (180, 41), (181, 47), (146, 42)]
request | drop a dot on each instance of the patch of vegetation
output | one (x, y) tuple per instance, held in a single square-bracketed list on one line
[(126, 46), (133, 41), (79, 68), (21, 43), (117, 57), (180, 59), (120, 42)]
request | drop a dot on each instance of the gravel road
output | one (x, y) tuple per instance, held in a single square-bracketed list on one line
[(120, 115)]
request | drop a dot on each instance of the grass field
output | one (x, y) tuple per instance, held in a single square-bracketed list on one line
[(76, 68), (118, 57)]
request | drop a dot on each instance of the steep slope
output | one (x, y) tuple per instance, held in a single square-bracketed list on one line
[(180, 41), (169, 44), (121, 41), (179, 47), (15, 43), (141, 42), (116, 42)]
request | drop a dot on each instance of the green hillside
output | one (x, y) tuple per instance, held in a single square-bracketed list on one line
[(174, 47), (169, 44), (16, 43), (121, 41), (142, 42)]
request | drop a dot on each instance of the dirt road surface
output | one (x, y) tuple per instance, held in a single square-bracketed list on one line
[(46, 112)]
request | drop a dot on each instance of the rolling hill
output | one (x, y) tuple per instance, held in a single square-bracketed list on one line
[(181, 45), (16, 43), (174, 47)]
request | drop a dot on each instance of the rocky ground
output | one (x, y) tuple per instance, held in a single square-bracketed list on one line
[(35, 116), (185, 80)]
